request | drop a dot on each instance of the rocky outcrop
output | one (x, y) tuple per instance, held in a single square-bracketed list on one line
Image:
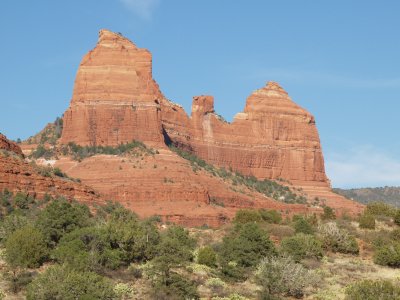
[(165, 184), (272, 138), (8, 145), (17, 175), (115, 99)]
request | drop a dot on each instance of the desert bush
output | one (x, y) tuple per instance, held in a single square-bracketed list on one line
[(123, 291), (280, 231), (302, 246), (329, 213), (246, 245), (395, 235), (373, 290), (397, 217), (26, 248), (61, 283), (231, 297), (244, 216), (207, 256), (270, 216), (175, 287), (88, 249), (301, 225), (381, 209), (336, 239), (367, 221), (283, 276), (11, 223), (61, 217), (388, 255)]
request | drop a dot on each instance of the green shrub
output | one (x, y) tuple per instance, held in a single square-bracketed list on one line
[(336, 239), (397, 217), (301, 225), (329, 214), (395, 235), (61, 217), (367, 221), (373, 290), (207, 256), (302, 246), (283, 276), (26, 248), (242, 249), (388, 255), (270, 216), (244, 216), (175, 287), (380, 209), (88, 249), (61, 283)]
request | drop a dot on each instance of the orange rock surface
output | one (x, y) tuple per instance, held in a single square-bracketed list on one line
[(165, 184), (17, 175), (115, 98), (7, 145)]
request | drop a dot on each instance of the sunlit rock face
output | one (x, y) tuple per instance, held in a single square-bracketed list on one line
[(115, 100)]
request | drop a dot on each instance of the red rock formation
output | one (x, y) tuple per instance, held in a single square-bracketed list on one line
[(7, 145), (166, 185), (272, 138), (115, 99), (16, 175)]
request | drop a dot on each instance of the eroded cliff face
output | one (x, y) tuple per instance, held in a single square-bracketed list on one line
[(272, 138), (115, 98), (17, 175), (8, 145)]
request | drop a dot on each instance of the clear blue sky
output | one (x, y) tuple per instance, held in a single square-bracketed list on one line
[(339, 59)]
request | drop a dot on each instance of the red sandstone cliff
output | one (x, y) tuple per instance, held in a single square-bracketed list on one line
[(272, 138), (115, 98), (17, 175)]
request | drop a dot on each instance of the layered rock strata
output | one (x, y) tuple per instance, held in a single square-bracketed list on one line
[(17, 175), (115, 99)]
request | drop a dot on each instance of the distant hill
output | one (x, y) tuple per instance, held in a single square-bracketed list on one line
[(387, 194)]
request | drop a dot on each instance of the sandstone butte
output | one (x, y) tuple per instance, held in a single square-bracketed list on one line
[(17, 175), (116, 100)]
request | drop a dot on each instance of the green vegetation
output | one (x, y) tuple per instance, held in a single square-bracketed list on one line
[(81, 152), (336, 239), (282, 276), (329, 213), (367, 221), (302, 246), (381, 209), (207, 256), (372, 290), (267, 187), (388, 255), (59, 249), (61, 217), (243, 248), (25, 248), (63, 283), (301, 225)]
